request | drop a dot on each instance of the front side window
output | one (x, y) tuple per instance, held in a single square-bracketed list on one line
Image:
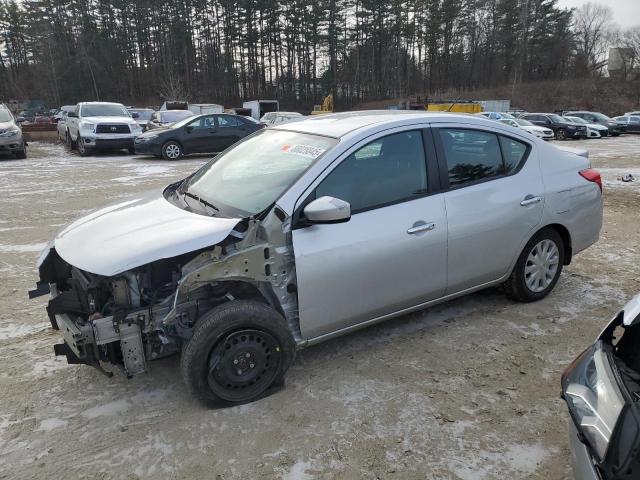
[(474, 156), (252, 175), (388, 170), (205, 122)]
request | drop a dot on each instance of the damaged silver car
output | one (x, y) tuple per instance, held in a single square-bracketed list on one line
[(310, 230)]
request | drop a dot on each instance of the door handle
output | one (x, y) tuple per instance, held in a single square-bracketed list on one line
[(421, 227), (530, 200)]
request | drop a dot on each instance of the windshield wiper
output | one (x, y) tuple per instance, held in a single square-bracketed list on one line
[(201, 200)]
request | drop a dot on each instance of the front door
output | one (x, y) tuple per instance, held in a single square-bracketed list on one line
[(390, 255), (229, 130), (199, 135), (494, 203)]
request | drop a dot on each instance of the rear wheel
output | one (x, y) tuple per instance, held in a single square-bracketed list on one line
[(69, 142), (561, 134), (538, 268), (171, 151), (238, 352)]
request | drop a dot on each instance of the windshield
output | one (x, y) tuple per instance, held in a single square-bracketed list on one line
[(96, 110), (142, 114), (601, 117), (252, 175), (556, 118), (171, 116), (577, 120), (5, 115), (523, 122)]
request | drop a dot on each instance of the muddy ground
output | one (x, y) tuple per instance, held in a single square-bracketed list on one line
[(468, 390)]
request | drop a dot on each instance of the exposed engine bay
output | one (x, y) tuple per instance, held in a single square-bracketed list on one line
[(148, 312)]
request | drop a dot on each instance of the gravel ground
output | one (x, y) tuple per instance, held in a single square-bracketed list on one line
[(468, 390)]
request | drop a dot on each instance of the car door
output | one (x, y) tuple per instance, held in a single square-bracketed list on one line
[(633, 124), (230, 130), (199, 135), (390, 255), (494, 202)]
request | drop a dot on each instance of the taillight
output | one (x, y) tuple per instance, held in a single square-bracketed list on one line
[(592, 175)]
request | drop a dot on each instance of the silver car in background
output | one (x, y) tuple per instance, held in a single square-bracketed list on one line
[(309, 230), (11, 139), (602, 391)]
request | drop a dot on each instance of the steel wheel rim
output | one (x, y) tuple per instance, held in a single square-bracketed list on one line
[(173, 151), (81, 149), (541, 266), (243, 365)]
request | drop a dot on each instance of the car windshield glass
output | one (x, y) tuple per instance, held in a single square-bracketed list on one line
[(5, 116), (523, 122), (104, 111), (556, 118), (253, 174), (601, 117), (143, 114), (578, 120), (171, 116)]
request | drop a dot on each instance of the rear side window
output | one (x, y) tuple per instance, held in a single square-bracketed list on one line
[(473, 156), (227, 121), (388, 170)]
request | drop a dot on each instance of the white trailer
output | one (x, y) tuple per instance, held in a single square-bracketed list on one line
[(196, 108), (260, 107)]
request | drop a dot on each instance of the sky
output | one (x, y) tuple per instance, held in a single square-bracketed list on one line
[(626, 13)]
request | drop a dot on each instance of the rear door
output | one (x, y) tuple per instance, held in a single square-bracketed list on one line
[(494, 202), (229, 130), (391, 254)]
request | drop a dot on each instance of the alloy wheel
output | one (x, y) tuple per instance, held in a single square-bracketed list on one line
[(173, 151)]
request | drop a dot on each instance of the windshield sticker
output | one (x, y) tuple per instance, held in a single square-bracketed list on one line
[(308, 151)]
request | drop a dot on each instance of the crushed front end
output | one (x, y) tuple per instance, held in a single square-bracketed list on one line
[(118, 321)]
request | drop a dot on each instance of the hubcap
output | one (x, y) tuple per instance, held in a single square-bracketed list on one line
[(243, 365), (541, 266), (173, 151)]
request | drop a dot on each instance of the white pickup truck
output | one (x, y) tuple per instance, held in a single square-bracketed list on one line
[(100, 126)]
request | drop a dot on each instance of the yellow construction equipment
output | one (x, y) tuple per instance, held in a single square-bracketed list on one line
[(457, 107), (326, 107)]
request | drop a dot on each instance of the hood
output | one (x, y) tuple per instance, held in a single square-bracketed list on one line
[(6, 126), (576, 151), (136, 232), (127, 120)]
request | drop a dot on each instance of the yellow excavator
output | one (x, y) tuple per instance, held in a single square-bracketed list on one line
[(326, 107)]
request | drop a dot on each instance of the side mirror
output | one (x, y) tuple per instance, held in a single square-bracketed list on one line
[(189, 129), (328, 210), (72, 115)]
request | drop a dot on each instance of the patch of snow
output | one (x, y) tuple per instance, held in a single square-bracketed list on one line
[(16, 330), (33, 247), (52, 423), (107, 409)]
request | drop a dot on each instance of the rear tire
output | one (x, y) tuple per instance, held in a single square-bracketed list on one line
[(172, 151), (538, 268), (69, 142), (561, 134), (239, 351)]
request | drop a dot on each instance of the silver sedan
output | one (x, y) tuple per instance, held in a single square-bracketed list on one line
[(310, 230)]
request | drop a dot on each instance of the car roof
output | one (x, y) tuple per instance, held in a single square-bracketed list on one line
[(338, 125), (102, 103)]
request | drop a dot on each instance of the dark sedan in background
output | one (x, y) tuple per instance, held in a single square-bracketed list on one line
[(614, 127), (199, 134), (632, 122), (562, 128)]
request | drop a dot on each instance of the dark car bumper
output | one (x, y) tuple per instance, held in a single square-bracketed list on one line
[(148, 148), (618, 130)]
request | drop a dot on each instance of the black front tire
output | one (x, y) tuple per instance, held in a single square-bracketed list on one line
[(172, 151), (561, 134), (516, 285), (239, 351), (21, 154)]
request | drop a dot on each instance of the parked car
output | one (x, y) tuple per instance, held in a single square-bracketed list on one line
[(62, 113), (277, 118), (562, 128), (306, 231), (495, 115), (141, 116), (635, 113), (614, 128), (95, 126), (594, 130), (527, 126), (198, 134), (11, 139), (602, 391), (632, 122), (166, 118)]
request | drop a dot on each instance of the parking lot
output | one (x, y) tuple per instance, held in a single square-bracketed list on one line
[(468, 390)]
